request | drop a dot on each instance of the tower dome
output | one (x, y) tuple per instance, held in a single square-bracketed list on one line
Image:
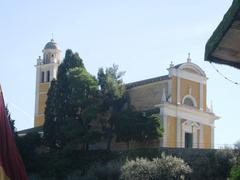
[(51, 53), (51, 45)]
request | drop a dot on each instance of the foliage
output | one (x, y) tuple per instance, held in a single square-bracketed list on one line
[(116, 115), (135, 126), (237, 145), (27, 146), (113, 99), (206, 164), (235, 172), (71, 106), (166, 167), (102, 171), (11, 122)]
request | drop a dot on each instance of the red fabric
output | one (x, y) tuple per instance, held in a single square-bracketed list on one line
[(10, 159)]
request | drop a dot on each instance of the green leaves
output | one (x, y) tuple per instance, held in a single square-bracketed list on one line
[(80, 110), (131, 125), (71, 105)]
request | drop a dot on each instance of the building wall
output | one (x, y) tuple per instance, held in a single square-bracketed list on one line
[(204, 97), (207, 137), (185, 85), (43, 87), (39, 120), (171, 138), (147, 96), (42, 98)]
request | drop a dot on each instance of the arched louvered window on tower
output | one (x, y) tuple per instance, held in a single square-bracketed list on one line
[(42, 76), (48, 76), (188, 102)]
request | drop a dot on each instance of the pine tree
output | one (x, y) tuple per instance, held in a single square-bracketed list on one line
[(113, 99), (118, 118)]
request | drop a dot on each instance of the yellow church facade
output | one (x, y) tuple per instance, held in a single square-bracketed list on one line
[(180, 97)]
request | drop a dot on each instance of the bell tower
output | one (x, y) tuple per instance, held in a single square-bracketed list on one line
[(46, 71)]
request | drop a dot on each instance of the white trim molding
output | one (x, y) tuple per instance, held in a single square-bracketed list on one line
[(190, 127), (188, 113), (181, 73), (179, 133), (194, 67), (201, 97), (190, 97)]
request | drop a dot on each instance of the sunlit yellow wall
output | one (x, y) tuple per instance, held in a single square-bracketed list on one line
[(207, 137), (42, 103), (185, 84), (147, 96), (43, 87), (204, 97), (171, 140), (39, 120), (42, 98)]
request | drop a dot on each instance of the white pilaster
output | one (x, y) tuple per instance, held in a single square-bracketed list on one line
[(165, 134), (201, 96), (37, 90), (178, 133), (169, 87), (195, 143), (201, 138), (178, 90)]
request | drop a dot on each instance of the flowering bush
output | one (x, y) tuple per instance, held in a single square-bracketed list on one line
[(166, 167)]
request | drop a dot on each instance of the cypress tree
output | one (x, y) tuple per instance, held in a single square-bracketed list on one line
[(71, 105)]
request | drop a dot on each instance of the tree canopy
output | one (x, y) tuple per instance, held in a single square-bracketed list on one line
[(82, 110), (71, 104)]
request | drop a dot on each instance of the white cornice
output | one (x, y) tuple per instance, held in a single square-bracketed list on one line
[(187, 75), (188, 113), (46, 65)]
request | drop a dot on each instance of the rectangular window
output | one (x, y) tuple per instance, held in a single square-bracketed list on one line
[(42, 77), (48, 76)]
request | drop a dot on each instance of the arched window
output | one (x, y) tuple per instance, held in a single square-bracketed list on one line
[(188, 102)]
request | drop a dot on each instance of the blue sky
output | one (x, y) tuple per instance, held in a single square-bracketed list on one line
[(141, 36)]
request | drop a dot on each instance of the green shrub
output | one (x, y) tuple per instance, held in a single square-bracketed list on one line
[(27, 146), (77, 175), (235, 172), (109, 171), (166, 167), (206, 164)]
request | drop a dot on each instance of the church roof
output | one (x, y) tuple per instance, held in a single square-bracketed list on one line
[(51, 45), (146, 81), (178, 65)]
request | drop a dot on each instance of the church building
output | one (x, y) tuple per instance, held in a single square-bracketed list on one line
[(180, 97)]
